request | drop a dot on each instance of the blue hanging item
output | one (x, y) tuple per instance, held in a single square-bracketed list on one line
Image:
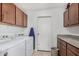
[(32, 34)]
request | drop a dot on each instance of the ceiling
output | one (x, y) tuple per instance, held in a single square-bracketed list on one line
[(39, 6)]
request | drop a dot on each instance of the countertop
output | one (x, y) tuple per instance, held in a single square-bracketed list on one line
[(71, 39)]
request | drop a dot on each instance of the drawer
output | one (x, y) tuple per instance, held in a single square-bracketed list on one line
[(73, 49)]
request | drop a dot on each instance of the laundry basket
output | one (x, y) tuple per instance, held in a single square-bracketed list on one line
[(54, 51)]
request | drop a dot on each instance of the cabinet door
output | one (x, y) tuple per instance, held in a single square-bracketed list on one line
[(19, 17), (62, 48), (69, 53), (0, 11), (8, 13), (74, 50), (73, 14), (66, 19), (25, 20)]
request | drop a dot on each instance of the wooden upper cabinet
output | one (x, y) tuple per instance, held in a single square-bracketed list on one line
[(25, 20), (66, 19), (0, 12), (73, 14), (8, 13), (19, 17)]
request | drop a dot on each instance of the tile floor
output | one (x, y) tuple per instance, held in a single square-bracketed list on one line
[(41, 53)]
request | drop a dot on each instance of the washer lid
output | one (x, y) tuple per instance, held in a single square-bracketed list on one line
[(9, 44)]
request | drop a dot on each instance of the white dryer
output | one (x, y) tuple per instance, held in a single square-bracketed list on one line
[(28, 44)]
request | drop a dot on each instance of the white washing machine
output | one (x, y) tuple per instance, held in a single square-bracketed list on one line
[(13, 48), (22, 46), (29, 46)]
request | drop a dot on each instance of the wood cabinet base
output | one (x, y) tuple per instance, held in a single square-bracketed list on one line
[(66, 49)]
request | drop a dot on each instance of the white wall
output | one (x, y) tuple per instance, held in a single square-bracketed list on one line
[(10, 30), (30, 22), (57, 24)]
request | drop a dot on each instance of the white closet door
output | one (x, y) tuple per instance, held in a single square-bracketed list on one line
[(44, 33)]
